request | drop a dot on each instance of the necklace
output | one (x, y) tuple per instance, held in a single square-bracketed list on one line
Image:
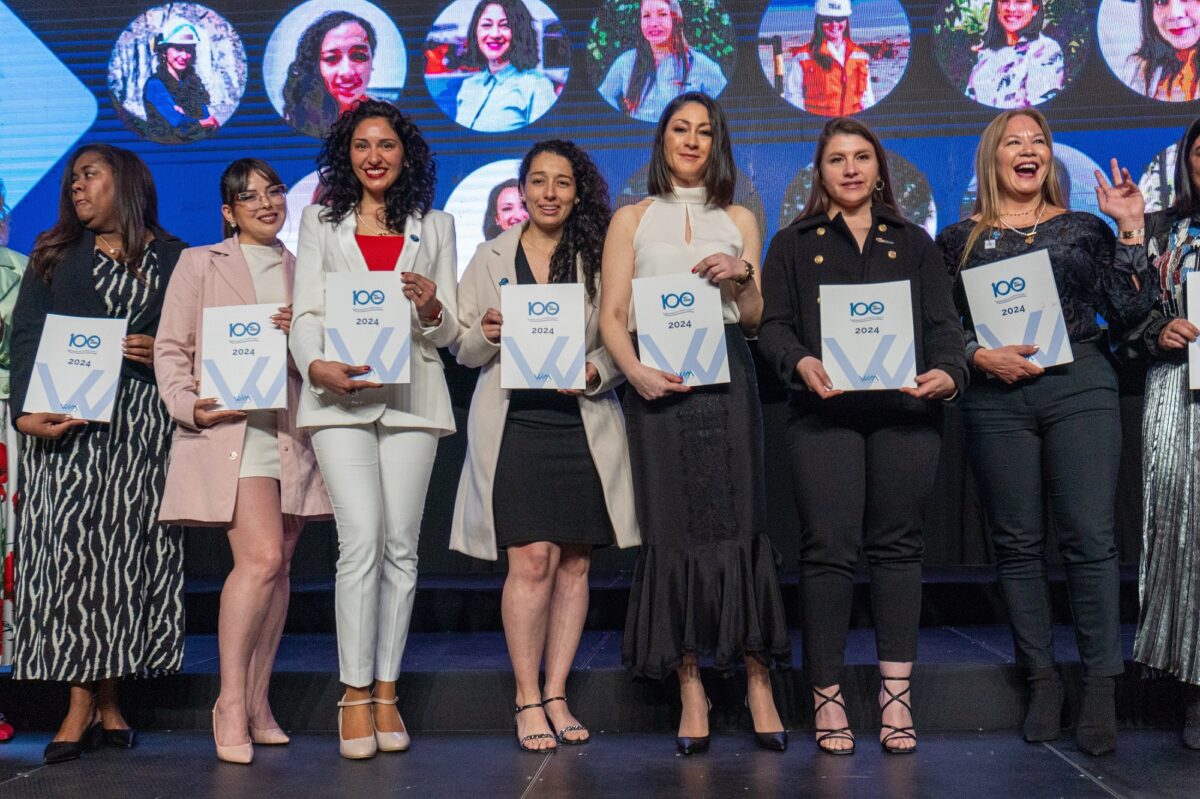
[(371, 228), (1032, 232), (548, 252), (1026, 212), (112, 251)]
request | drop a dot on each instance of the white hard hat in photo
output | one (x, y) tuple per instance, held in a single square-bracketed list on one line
[(181, 32), (833, 8)]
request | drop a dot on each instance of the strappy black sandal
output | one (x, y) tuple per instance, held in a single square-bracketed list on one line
[(897, 733), (537, 736), (840, 733), (560, 735)]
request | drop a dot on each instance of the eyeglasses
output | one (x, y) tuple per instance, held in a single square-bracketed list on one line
[(275, 194)]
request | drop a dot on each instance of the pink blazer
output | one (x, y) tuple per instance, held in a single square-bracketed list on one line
[(202, 473)]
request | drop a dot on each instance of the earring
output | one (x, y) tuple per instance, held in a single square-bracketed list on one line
[(879, 184)]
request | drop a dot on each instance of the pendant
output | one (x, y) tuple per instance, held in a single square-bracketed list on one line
[(1029, 238)]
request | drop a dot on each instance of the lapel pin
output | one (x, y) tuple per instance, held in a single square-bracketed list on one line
[(503, 281), (414, 237)]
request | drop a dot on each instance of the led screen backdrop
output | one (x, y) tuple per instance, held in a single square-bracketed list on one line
[(191, 86)]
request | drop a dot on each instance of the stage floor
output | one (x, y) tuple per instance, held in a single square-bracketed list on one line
[(478, 766)]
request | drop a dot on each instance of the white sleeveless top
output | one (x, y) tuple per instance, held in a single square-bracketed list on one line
[(659, 247)]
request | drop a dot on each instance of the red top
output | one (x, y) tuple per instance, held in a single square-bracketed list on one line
[(380, 252)]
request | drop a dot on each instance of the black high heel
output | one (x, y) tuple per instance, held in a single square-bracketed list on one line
[(537, 736), (901, 733), (561, 734), (64, 751), (121, 739), (694, 746), (771, 741), (838, 733)]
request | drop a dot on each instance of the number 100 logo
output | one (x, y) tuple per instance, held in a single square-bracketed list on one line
[(860, 309), (82, 341)]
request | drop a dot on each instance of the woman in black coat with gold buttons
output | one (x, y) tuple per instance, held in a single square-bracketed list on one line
[(863, 463)]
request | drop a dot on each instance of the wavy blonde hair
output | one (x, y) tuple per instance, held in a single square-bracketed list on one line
[(987, 194)]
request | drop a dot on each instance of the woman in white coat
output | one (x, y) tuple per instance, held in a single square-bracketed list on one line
[(375, 443), (547, 475)]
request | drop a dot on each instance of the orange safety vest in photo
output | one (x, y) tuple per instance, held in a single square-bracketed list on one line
[(836, 91)]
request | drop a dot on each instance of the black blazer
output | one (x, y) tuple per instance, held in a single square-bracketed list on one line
[(72, 292), (818, 250)]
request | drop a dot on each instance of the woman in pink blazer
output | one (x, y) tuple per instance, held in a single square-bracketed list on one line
[(251, 472)]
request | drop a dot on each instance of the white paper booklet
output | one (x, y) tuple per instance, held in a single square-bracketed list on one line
[(368, 321), (680, 328), (77, 369), (542, 339), (244, 358), (867, 338)]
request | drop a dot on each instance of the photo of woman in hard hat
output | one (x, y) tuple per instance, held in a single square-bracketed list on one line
[(831, 75), (175, 98)]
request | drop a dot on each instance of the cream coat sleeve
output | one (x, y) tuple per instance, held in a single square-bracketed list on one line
[(307, 338), (475, 295), (175, 342)]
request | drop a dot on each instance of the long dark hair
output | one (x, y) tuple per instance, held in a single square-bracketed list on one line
[(307, 106), (643, 72), (491, 228), (818, 39), (996, 36), (236, 179), (1187, 194), (188, 91), (135, 204), (721, 176), (583, 233), (1156, 54), (413, 190), (818, 198), (522, 50)]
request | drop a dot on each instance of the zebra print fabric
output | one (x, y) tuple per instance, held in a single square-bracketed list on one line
[(99, 580)]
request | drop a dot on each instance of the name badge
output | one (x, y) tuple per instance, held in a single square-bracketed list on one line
[(542, 340), (680, 327), (244, 358), (1015, 301), (77, 369), (368, 322), (867, 339)]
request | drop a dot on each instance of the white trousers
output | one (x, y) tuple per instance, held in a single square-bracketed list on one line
[(377, 477)]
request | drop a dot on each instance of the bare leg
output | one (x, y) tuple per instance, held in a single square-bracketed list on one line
[(568, 612), (262, 661), (525, 609), (831, 716), (81, 713), (760, 697), (108, 706), (356, 721), (693, 722), (256, 538), (896, 714), (387, 717)]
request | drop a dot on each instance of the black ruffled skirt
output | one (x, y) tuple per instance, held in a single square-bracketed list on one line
[(706, 581)]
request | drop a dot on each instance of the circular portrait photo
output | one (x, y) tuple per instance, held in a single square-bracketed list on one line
[(323, 58), (1150, 45), (834, 57), (177, 73), (744, 194), (1158, 180), (910, 187), (484, 204), (1012, 53), (1076, 177), (496, 65), (644, 53)]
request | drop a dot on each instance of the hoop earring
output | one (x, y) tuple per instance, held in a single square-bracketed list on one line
[(879, 184)]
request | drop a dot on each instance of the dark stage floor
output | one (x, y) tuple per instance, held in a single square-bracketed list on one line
[(473, 766)]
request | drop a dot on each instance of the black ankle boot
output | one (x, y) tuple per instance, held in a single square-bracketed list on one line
[(1191, 716), (1096, 730), (1043, 719)]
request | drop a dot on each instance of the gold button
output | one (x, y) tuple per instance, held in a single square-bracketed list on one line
[(820, 231), (892, 254), (820, 259), (882, 228), (233, 456)]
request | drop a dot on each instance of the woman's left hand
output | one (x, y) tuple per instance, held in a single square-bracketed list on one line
[(139, 348), (1122, 200), (720, 266), (283, 319), (593, 378), (423, 293), (932, 385)]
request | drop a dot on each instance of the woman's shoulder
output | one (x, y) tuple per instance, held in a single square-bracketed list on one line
[(953, 236), (702, 60), (624, 61)]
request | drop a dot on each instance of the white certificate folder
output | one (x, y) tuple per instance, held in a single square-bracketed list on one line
[(542, 338), (680, 327), (1015, 301), (244, 358), (77, 369), (368, 322), (867, 339)]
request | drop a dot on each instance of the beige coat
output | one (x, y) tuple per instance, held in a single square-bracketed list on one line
[(474, 531), (202, 473)]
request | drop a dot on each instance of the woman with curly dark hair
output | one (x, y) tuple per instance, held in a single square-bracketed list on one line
[(375, 443), (521, 441), (329, 73), (175, 97), (508, 91)]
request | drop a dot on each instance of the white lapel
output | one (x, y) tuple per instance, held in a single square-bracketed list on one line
[(414, 229), (351, 254)]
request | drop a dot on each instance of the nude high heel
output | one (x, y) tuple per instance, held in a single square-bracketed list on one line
[(242, 754), (270, 737), (356, 748), (391, 741)]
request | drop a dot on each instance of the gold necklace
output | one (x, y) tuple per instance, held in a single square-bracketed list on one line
[(371, 228), (112, 251), (1031, 233)]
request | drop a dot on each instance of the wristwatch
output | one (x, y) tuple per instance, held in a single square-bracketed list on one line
[(744, 279)]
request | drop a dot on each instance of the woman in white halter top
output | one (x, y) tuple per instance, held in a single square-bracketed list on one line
[(705, 583)]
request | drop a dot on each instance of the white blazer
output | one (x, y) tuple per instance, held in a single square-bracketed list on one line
[(429, 251)]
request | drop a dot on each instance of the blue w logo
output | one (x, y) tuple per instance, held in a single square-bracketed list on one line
[(549, 372), (706, 375), (238, 399), (384, 372), (78, 400)]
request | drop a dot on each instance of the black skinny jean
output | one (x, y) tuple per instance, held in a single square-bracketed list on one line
[(861, 483), (1053, 440)]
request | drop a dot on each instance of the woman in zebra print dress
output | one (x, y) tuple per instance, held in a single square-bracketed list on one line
[(99, 581)]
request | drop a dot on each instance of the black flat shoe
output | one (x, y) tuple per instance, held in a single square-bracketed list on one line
[(772, 741), (122, 739), (63, 751)]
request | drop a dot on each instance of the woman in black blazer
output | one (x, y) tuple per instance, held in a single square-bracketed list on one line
[(863, 463), (100, 594)]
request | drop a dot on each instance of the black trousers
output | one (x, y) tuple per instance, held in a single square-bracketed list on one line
[(1054, 440), (861, 482)]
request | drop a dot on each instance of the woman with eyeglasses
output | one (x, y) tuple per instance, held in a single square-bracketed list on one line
[(259, 472)]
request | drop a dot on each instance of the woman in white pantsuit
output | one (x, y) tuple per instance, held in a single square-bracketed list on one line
[(375, 444)]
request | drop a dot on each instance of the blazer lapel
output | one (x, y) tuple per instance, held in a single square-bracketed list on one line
[(353, 256), (413, 229), (502, 265), (231, 265)]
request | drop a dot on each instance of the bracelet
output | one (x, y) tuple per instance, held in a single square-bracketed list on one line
[(436, 320), (744, 279), (1133, 234)]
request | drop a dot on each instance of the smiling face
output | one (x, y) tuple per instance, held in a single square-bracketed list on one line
[(509, 208), (346, 61), (687, 144), (1015, 15), (259, 210), (1178, 22), (835, 29), (376, 155), (848, 172), (549, 191), (93, 191), (494, 35), (656, 22), (1022, 159), (178, 58)]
